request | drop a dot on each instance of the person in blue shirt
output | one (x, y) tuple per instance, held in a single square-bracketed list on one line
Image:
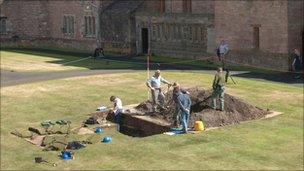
[(154, 84), (177, 112), (184, 103)]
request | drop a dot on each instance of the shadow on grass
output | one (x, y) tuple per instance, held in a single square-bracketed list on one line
[(119, 62), (110, 61), (281, 77)]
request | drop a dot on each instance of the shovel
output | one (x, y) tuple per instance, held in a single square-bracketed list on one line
[(40, 160)]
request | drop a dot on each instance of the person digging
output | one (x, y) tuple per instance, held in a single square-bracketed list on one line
[(177, 112), (158, 96), (218, 89)]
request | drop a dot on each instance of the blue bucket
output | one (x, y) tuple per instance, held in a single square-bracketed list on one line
[(98, 130), (66, 155), (106, 139)]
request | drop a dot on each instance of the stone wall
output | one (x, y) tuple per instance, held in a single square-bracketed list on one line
[(118, 27), (23, 22), (234, 21), (295, 24), (39, 23), (205, 6), (274, 61), (115, 35), (279, 24), (79, 9), (173, 33), (179, 35)]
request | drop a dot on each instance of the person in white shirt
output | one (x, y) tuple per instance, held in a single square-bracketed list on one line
[(222, 50), (117, 110), (155, 86)]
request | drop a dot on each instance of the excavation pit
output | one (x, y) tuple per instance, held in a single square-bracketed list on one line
[(138, 121)]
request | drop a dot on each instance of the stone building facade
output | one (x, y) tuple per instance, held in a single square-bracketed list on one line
[(259, 33), (176, 28), (50, 23)]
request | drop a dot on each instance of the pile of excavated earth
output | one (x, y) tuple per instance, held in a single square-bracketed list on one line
[(236, 110)]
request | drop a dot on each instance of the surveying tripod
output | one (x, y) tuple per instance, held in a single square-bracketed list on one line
[(228, 75)]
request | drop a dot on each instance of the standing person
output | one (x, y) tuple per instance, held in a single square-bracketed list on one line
[(184, 104), (177, 113), (155, 86), (218, 89), (222, 50), (296, 62), (117, 110)]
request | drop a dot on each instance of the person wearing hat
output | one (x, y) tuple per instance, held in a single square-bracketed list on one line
[(184, 103), (177, 113), (218, 89), (117, 110), (155, 86)]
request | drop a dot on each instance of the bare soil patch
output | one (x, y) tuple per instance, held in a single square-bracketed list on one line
[(236, 110)]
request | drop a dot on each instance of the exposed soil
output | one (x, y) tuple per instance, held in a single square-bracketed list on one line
[(236, 110)]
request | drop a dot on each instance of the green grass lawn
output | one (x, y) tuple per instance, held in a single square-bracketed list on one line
[(39, 60), (275, 143)]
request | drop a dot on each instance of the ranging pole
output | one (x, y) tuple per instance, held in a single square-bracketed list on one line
[(149, 52), (148, 71)]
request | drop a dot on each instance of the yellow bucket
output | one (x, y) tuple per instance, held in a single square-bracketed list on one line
[(199, 126)]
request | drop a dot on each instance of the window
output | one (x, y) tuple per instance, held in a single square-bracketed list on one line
[(68, 24), (179, 32), (89, 22), (162, 6), (154, 29), (158, 31), (185, 30), (187, 6), (256, 37), (3, 28), (168, 6), (203, 34), (190, 34)]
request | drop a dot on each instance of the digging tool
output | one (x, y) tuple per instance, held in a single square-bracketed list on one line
[(40, 160), (168, 89)]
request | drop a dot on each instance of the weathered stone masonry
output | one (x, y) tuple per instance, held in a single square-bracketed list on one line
[(259, 33)]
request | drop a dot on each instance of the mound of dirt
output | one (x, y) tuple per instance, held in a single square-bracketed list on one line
[(236, 110)]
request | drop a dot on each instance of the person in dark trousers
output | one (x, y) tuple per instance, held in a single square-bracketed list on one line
[(218, 89), (296, 64), (177, 113), (117, 110), (184, 103), (98, 52), (222, 50)]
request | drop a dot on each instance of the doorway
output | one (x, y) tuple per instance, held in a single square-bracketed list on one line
[(145, 40)]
